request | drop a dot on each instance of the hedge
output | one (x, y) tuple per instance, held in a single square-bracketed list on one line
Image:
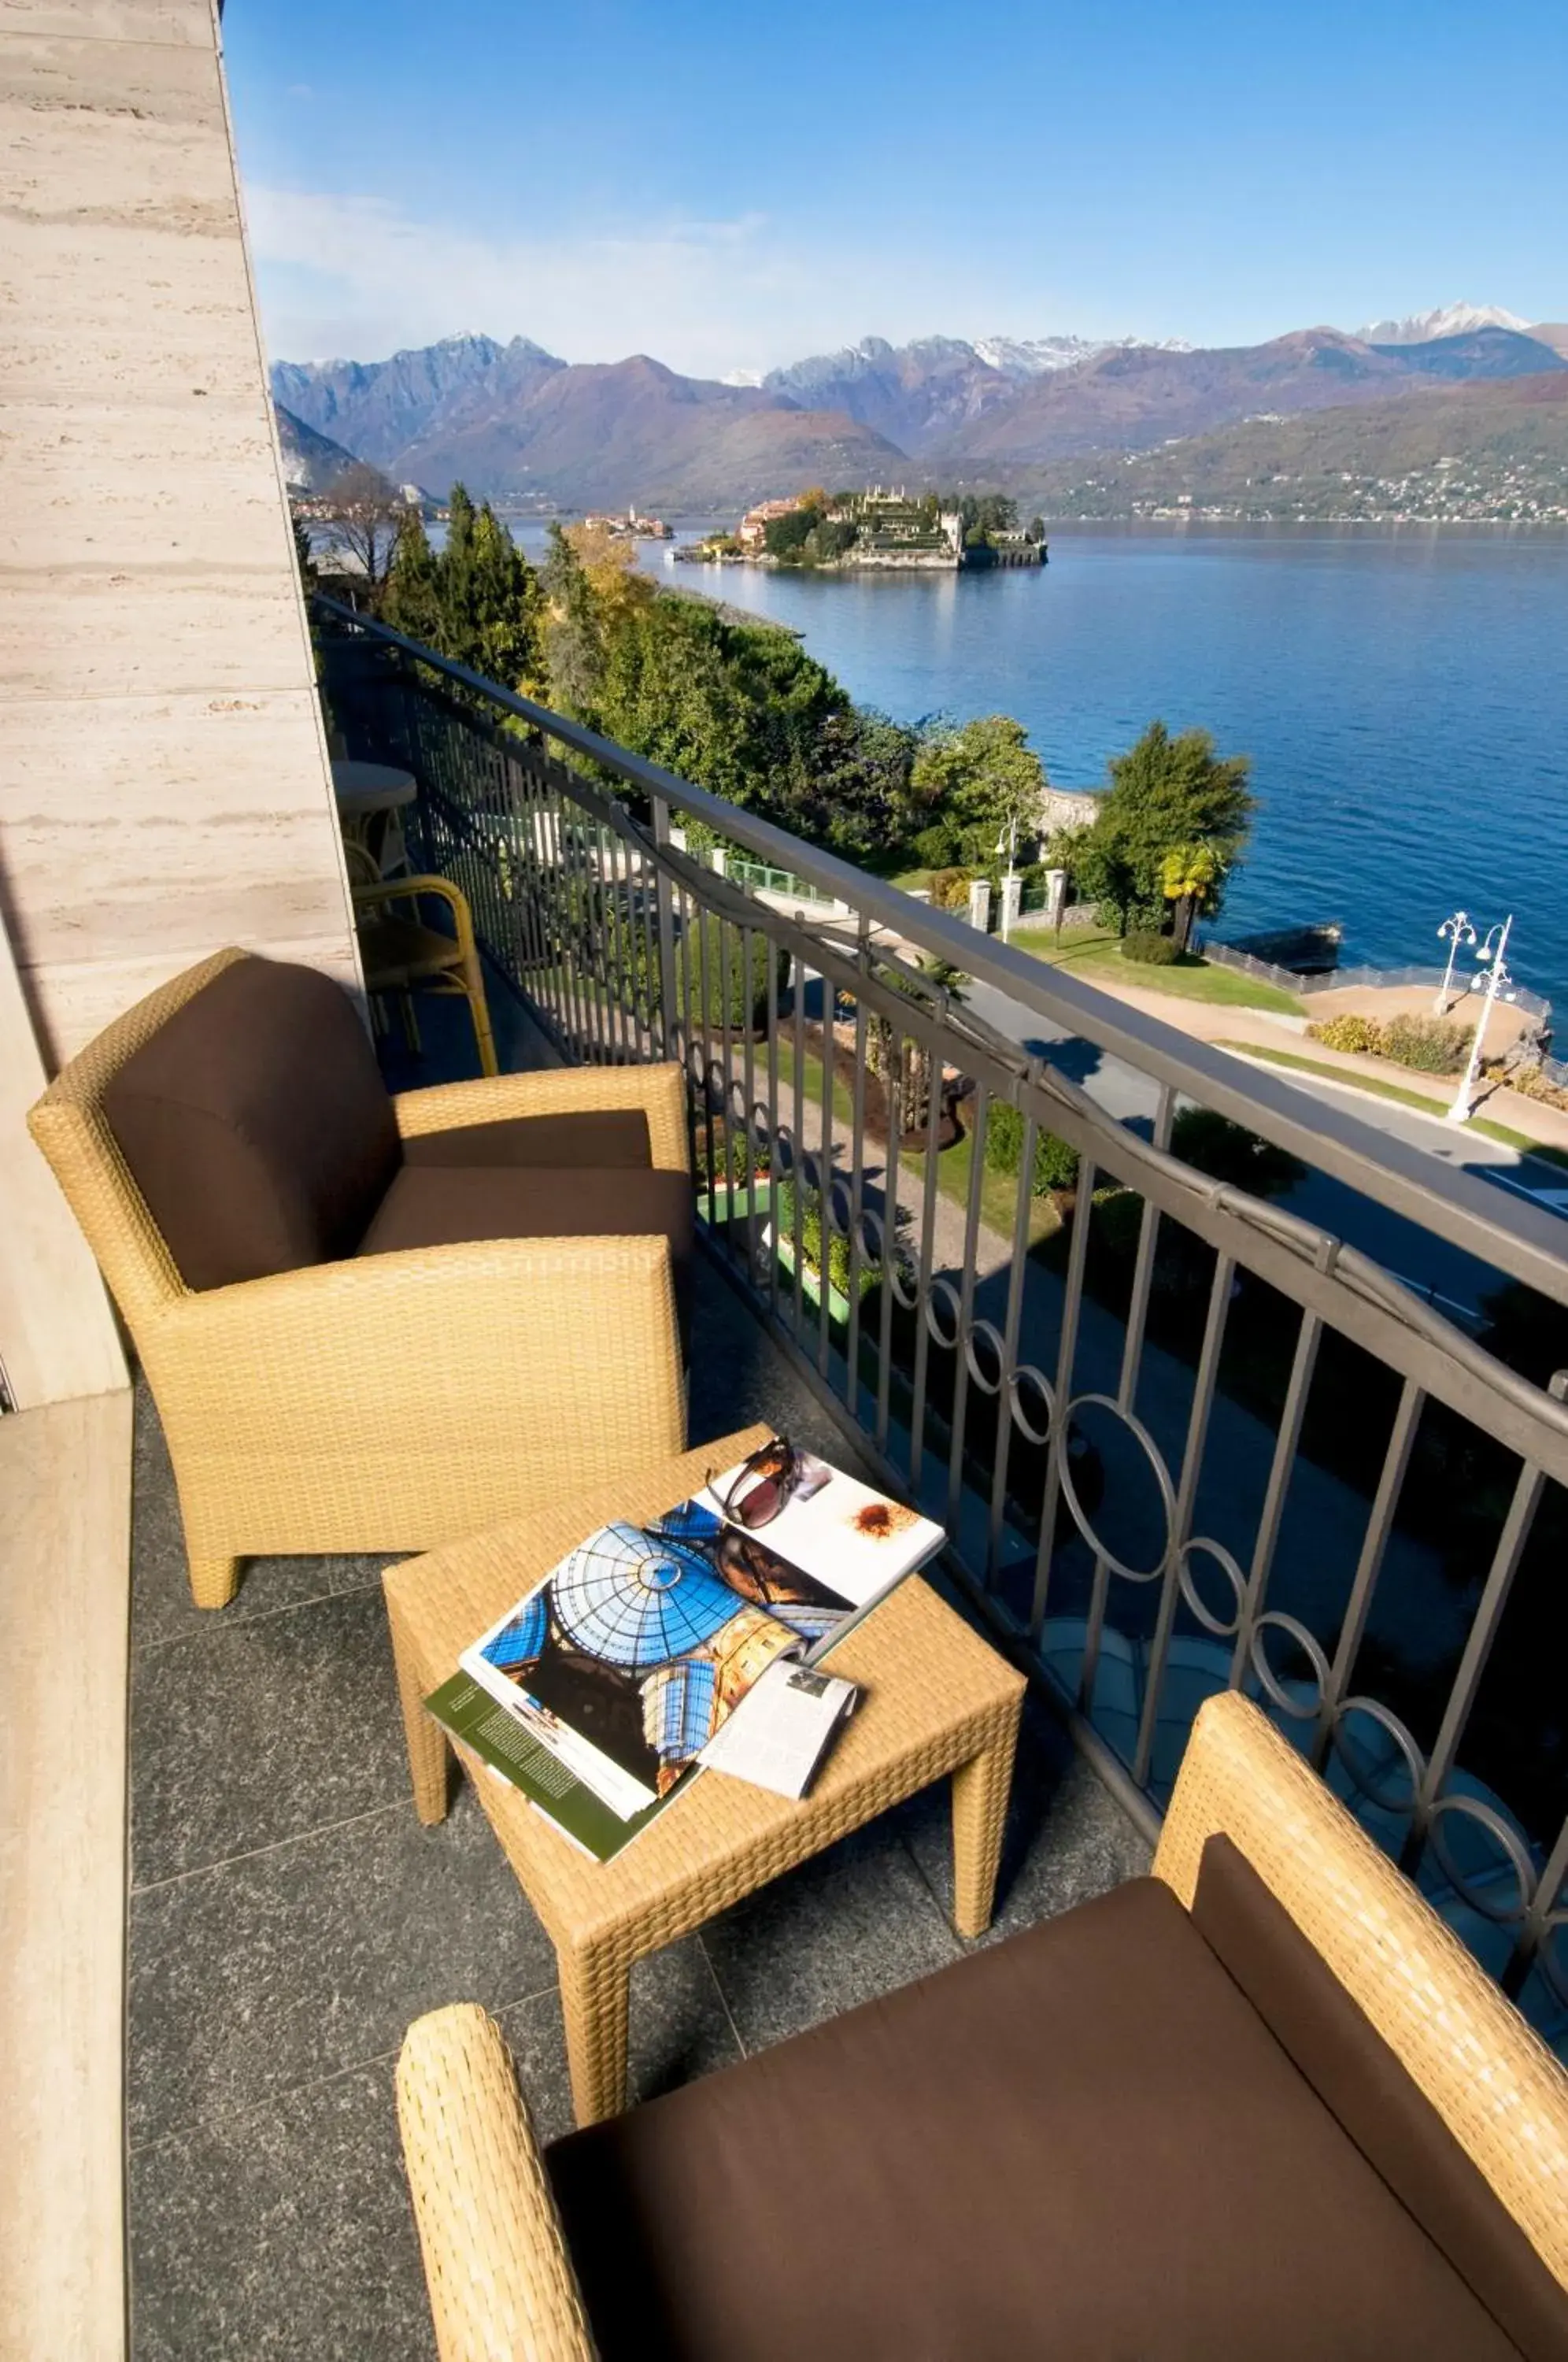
[(1431, 1046), (1056, 1163)]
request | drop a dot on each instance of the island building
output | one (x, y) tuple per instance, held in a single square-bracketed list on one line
[(752, 531), (632, 526)]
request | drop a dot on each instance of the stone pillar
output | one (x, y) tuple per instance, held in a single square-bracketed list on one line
[(981, 903), (1012, 895), (1055, 895)]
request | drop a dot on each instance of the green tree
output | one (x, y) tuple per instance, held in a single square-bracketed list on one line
[(785, 536), (739, 708), (412, 601), (980, 513), (571, 636), (476, 601), (975, 784), (1229, 1152), (858, 799), (1056, 1162), (503, 606), (1164, 793)]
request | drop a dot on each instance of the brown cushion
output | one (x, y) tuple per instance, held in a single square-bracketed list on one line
[(1391, 2121), (256, 1125), (1083, 2143), (439, 1204), (615, 1138)]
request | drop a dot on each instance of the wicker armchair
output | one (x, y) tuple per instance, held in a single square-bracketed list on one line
[(389, 1402), (501, 2278)]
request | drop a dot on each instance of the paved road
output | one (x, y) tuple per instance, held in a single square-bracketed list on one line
[(1459, 1280)]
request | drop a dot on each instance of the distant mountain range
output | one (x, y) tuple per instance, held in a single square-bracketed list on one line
[(1495, 450), (524, 426)]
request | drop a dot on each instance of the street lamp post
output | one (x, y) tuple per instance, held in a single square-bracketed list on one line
[(1490, 955), (1457, 930)]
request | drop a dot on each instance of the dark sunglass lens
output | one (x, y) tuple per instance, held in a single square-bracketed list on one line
[(760, 1503)]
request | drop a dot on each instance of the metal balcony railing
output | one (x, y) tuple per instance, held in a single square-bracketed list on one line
[(1183, 1438)]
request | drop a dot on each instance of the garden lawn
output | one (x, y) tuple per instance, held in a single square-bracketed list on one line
[(1096, 953), (999, 1191)]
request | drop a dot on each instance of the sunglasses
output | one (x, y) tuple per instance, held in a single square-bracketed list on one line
[(762, 1484)]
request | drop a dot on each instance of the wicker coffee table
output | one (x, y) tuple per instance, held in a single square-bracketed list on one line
[(935, 1700)]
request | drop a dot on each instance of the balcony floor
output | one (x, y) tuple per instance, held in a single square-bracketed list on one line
[(289, 1917)]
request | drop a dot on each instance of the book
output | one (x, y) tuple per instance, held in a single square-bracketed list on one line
[(632, 1655)]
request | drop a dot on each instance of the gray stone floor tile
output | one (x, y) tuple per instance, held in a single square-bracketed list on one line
[(1066, 1837), (856, 1922), (294, 1964), (244, 1734), (161, 1606), (679, 2029), (278, 2233)]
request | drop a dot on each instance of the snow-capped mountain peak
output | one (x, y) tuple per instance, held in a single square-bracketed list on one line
[(1450, 320), (1026, 357)]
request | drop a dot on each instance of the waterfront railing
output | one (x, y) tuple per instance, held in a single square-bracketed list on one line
[(1373, 979), (1183, 1438)]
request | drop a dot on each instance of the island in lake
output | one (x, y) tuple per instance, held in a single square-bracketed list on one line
[(878, 529)]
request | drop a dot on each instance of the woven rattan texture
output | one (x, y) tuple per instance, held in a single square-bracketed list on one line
[(386, 1404), (936, 1700), (501, 2287), (1499, 2090), (658, 1090)]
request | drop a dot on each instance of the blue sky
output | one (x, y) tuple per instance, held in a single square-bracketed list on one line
[(731, 186)]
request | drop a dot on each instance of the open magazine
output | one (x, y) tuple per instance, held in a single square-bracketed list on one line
[(627, 1660)]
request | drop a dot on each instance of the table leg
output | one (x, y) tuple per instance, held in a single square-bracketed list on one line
[(427, 1748), (980, 1790), (596, 1990)]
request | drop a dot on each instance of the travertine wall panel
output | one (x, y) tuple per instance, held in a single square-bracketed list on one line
[(156, 310), (99, 485), (164, 782), (112, 20), (188, 866)]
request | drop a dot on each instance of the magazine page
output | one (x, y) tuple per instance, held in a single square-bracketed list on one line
[(837, 1530), (511, 1752), (628, 1657)]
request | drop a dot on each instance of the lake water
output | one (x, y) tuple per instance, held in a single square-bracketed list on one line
[(1403, 694)]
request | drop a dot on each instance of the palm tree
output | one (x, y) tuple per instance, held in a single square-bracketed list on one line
[(1187, 875)]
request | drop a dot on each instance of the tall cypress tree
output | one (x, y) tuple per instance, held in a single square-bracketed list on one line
[(411, 602), (503, 603)]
